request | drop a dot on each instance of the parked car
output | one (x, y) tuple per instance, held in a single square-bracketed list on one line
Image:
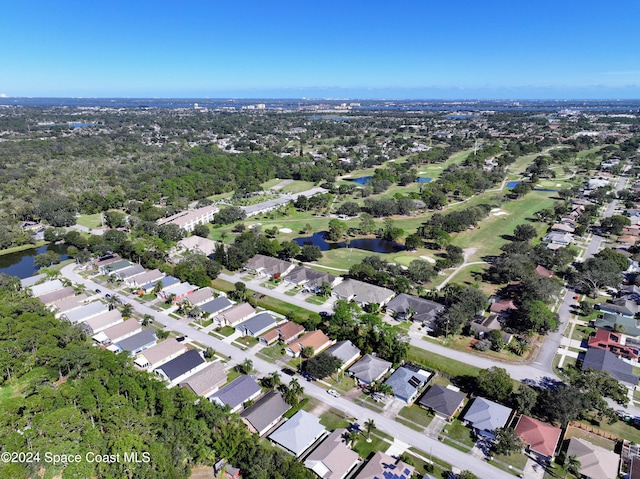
[(98, 291), (107, 295), (288, 372), (181, 338)]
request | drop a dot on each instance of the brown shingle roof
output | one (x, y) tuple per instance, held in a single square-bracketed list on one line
[(541, 437), (316, 339)]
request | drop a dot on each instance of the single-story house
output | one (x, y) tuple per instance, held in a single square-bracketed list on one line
[(138, 342), (443, 401), (223, 470), (315, 339), (383, 466), (118, 332), (111, 268), (503, 306), (105, 260), (542, 271), (268, 266), (57, 295), (603, 360), (130, 272), (285, 332), (197, 244), (311, 279), (256, 325), (38, 290), (207, 380), (369, 369), (69, 304), (166, 282), (32, 280), (625, 324), (621, 306), (203, 295), (615, 343), (85, 312), (406, 306), (216, 305), (562, 228), (159, 354), (181, 365), (178, 291), (101, 322), (484, 325), (540, 437), (332, 459), (362, 293), (562, 239), (407, 382), (485, 416), (299, 433), (265, 413), (346, 352), (235, 315), (144, 278), (236, 393), (596, 462)]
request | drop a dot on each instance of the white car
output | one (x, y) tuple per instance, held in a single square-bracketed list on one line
[(334, 393)]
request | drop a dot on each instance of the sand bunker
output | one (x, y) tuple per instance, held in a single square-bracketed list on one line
[(493, 210), (286, 230), (499, 213), (429, 259)]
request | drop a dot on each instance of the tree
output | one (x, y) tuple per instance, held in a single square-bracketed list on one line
[(413, 242), (240, 292), (369, 426), (310, 253), (228, 215), (507, 441), (127, 310), (322, 365), (494, 383), (420, 271), (534, 316), (147, 319), (572, 465), (466, 474), (307, 352), (292, 392), (352, 437), (245, 367), (614, 224), (524, 232), (201, 230), (112, 302), (525, 399)]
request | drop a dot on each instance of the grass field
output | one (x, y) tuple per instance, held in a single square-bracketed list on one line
[(491, 233), (364, 448), (22, 248), (90, 221), (416, 415), (440, 363)]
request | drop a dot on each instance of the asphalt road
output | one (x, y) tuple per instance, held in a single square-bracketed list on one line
[(414, 438)]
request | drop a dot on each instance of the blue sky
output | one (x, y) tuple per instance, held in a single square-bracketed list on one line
[(321, 48)]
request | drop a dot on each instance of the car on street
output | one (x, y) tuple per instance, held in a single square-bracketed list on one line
[(107, 295), (181, 338), (288, 372), (333, 393), (98, 291)]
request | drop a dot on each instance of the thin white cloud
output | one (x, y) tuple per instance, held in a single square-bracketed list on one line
[(3, 95)]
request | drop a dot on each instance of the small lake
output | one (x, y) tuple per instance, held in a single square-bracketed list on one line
[(20, 263), (365, 180), (375, 245), (82, 125), (513, 184)]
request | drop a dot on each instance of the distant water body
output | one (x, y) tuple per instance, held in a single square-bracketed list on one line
[(459, 109)]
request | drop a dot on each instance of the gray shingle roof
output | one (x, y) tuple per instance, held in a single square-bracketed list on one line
[(182, 364), (298, 433), (424, 310), (406, 382), (603, 360), (216, 305), (369, 368), (237, 391), (257, 325), (344, 350), (442, 400), (362, 292), (265, 411), (205, 380), (487, 415), (134, 344)]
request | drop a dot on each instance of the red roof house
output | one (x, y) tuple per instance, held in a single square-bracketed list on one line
[(540, 437), (613, 342)]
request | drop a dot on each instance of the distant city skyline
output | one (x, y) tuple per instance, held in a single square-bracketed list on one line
[(496, 49)]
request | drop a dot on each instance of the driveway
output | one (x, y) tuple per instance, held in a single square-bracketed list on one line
[(435, 427)]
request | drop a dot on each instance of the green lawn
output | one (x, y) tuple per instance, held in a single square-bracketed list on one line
[(487, 238), (22, 248), (436, 362), (414, 414), (588, 436), (273, 352), (459, 433), (364, 448), (334, 419), (343, 384), (90, 221), (297, 186)]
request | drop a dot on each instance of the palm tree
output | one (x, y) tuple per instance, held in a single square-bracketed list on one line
[(274, 379), (245, 367), (572, 466), (113, 302), (66, 282), (195, 312), (157, 287), (352, 437), (79, 288), (147, 319), (127, 310), (369, 426)]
